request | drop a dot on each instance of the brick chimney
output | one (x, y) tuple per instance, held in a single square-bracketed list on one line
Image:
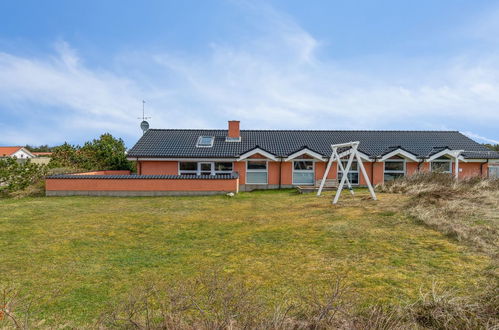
[(233, 135)]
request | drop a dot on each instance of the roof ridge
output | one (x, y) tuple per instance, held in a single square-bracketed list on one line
[(301, 130)]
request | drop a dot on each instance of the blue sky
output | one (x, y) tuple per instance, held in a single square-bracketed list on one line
[(71, 70)]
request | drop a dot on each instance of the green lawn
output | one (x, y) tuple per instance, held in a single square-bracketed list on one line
[(77, 255)]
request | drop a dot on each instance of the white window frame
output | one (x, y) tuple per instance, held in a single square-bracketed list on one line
[(303, 171), (404, 171), (212, 167), (215, 172), (449, 161), (187, 172), (198, 167), (205, 146), (356, 171), (258, 171)]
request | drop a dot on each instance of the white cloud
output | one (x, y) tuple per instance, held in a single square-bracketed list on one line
[(480, 138), (276, 80)]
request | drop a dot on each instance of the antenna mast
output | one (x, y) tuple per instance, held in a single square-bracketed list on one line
[(144, 125)]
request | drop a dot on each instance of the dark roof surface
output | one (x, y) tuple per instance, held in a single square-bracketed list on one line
[(181, 143), (136, 176)]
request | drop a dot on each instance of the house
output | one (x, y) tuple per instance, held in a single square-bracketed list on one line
[(17, 152), (42, 157), (202, 161), (42, 154)]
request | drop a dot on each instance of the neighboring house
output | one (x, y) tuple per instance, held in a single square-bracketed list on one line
[(17, 152), (42, 157), (42, 154), (188, 161)]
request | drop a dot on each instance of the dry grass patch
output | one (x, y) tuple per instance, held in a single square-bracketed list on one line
[(467, 210)]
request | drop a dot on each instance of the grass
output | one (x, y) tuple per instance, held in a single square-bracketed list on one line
[(78, 255), (467, 210)]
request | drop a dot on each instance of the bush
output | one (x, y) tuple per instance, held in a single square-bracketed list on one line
[(215, 301), (105, 153), (17, 176)]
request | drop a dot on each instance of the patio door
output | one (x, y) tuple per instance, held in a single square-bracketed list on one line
[(494, 172), (205, 168)]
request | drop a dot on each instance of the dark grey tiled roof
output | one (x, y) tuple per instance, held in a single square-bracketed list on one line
[(135, 176), (181, 143)]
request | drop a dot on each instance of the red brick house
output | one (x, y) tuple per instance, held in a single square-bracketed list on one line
[(203, 161)]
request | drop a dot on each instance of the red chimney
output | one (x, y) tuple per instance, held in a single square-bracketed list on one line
[(234, 133)]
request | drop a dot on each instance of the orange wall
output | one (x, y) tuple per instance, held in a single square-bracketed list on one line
[(158, 167), (286, 171), (140, 185), (273, 176), (411, 168), (320, 167), (469, 170)]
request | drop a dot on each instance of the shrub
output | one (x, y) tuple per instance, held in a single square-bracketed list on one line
[(214, 301), (105, 153), (17, 176)]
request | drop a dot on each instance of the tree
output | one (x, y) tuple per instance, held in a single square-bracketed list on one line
[(65, 155), (105, 153), (42, 148), (494, 147)]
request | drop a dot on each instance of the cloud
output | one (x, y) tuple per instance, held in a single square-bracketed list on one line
[(275, 80), (480, 138), (72, 96)]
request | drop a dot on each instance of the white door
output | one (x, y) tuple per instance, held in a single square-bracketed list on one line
[(205, 168)]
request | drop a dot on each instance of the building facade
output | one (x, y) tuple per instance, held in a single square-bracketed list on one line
[(203, 160), (283, 159)]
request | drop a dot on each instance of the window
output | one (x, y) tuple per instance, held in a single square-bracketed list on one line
[(188, 168), (256, 172), (205, 141), (223, 168), (394, 168), (303, 172), (353, 174), (205, 168), (441, 165)]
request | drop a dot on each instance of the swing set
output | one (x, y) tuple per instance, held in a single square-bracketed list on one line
[(353, 152)]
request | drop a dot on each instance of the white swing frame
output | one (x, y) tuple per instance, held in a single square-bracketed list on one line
[(354, 153)]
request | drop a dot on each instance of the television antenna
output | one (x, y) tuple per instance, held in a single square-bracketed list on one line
[(144, 125)]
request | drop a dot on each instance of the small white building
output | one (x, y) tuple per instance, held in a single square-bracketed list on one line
[(17, 152)]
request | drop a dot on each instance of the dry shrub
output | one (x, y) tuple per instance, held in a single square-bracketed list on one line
[(467, 210), (379, 317), (220, 302), (217, 301), (439, 309), (16, 310), (209, 302), (34, 190)]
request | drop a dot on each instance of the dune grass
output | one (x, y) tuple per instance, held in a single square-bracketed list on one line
[(78, 255)]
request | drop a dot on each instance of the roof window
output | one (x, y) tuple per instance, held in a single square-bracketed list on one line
[(205, 141)]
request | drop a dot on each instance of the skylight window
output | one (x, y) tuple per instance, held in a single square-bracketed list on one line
[(205, 141)]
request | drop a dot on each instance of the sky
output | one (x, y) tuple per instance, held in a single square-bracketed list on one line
[(72, 70)]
